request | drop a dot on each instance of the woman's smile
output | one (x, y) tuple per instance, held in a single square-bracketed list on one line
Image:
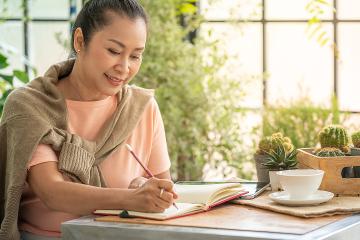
[(114, 80)]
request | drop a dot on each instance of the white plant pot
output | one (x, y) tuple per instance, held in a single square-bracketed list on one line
[(274, 181)]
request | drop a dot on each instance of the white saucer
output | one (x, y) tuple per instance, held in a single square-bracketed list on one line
[(316, 198)]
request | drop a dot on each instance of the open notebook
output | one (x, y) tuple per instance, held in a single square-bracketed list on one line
[(192, 199)]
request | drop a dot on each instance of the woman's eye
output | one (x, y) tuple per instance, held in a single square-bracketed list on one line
[(113, 51), (136, 57)]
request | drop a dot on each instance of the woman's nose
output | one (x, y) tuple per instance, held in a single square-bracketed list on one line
[(122, 66)]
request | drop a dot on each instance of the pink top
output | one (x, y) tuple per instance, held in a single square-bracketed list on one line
[(86, 119)]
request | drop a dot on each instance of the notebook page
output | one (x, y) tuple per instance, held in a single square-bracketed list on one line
[(223, 194), (198, 193), (184, 208)]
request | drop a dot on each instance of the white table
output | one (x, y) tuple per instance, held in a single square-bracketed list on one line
[(86, 228)]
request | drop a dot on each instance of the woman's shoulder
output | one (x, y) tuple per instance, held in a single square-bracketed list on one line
[(26, 101), (25, 94), (18, 103), (141, 91), (19, 96), (152, 104)]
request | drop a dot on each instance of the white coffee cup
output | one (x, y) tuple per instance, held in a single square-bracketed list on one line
[(300, 183)]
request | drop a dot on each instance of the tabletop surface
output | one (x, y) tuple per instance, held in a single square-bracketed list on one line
[(224, 222)]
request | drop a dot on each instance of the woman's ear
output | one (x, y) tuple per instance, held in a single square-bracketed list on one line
[(79, 43)]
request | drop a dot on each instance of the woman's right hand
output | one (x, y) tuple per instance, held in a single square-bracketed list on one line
[(58, 194), (150, 198)]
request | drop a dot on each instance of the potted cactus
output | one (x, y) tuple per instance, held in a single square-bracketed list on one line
[(335, 136), (334, 141), (329, 152), (336, 157), (355, 137), (277, 160), (266, 145)]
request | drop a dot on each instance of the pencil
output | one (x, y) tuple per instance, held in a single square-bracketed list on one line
[(142, 165)]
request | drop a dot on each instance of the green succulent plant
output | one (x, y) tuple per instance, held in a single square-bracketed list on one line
[(279, 159), (334, 136), (329, 152), (271, 143), (355, 137)]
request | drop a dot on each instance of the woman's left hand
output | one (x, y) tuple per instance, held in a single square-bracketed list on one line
[(137, 182)]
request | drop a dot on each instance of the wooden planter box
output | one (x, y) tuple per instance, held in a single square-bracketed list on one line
[(333, 167)]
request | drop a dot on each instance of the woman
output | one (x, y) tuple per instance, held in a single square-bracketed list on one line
[(63, 135)]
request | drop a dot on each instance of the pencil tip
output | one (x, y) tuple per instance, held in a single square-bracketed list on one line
[(128, 147)]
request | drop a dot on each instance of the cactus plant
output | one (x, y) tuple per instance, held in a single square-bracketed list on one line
[(279, 159), (329, 152), (355, 137), (334, 136), (270, 143)]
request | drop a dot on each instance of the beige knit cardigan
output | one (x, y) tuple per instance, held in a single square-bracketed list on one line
[(36, 114)]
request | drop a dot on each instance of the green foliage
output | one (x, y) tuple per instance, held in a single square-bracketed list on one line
[(279, 159), (271, 143), (334, 136), (188, 7), (300, 121), (355, 137), (7, 81), (329, 152), (198, 109), (315, 27)]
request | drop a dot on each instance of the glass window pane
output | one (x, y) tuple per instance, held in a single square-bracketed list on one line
[(234, 9), (298, 66), (243, 44), (348, 9), (294, 9), (44, 48), (11, 9), (351, 121), (49, 9), (78, 5), (248, 122), (12, 41), (349, 71)]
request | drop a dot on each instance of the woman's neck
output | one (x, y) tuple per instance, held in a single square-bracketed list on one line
[(74, 87)]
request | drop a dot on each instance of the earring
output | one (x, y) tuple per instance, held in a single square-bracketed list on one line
[(78, 50)]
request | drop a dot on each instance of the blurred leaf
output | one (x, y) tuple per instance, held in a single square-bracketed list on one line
[(188, 8), (321, 36), (323, 2), (324, 42), (21, 75), (3, 99), (3, 61), (7, 78), (315, 28)]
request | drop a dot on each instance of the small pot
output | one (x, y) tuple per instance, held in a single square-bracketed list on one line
[(262, 172)]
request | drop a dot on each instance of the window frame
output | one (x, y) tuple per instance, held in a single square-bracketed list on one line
[(26, 20), (335, 21)]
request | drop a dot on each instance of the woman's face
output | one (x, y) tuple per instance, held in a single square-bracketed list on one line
[(113, 56)]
